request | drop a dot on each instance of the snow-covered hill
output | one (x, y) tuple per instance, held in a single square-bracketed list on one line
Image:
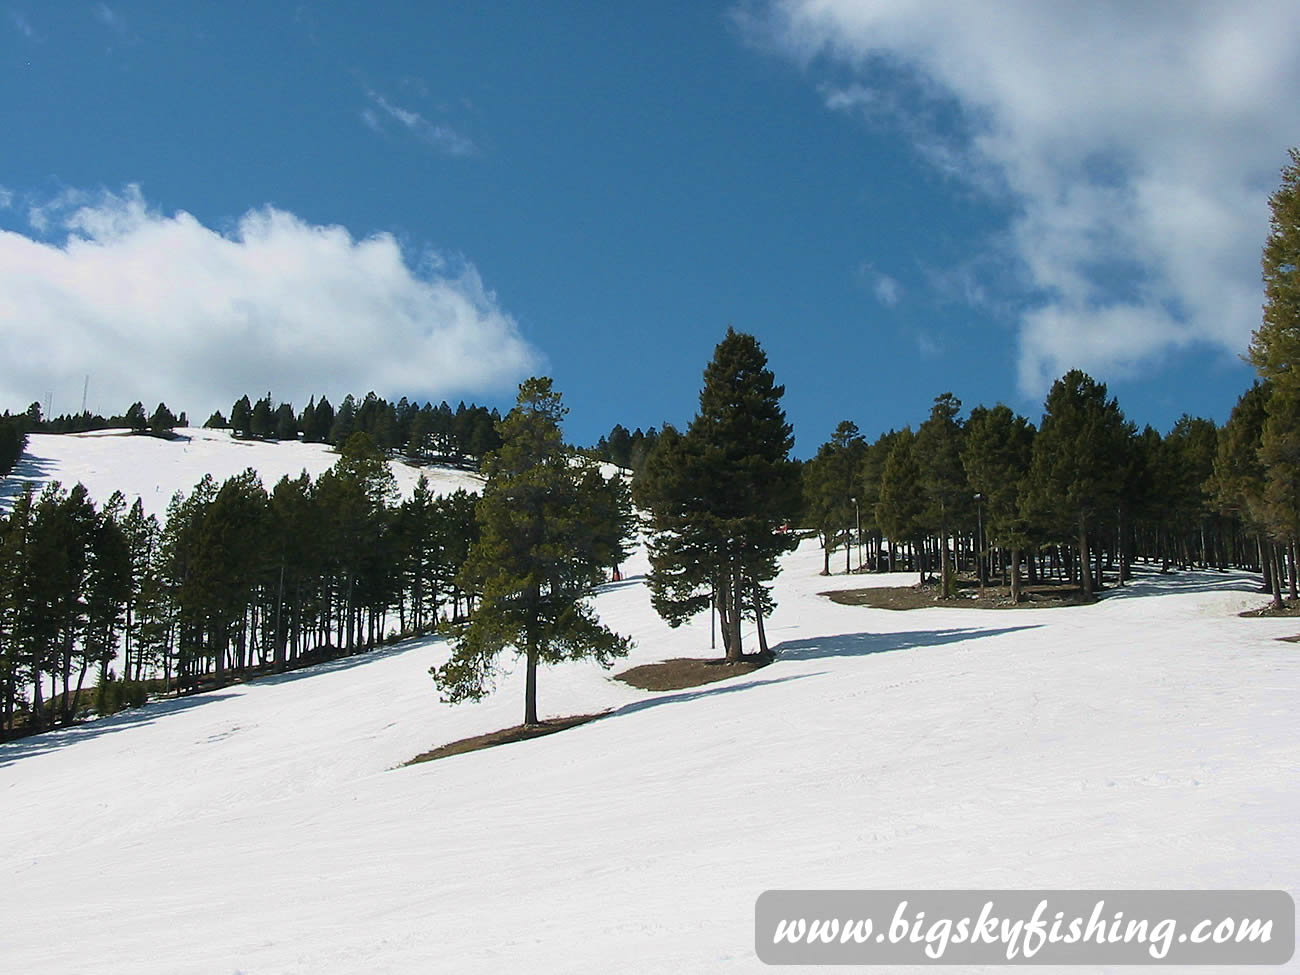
[(1149, 741), (154, 469)]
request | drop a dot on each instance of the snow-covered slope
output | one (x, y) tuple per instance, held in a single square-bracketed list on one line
[(1149, 741), (154, 469)]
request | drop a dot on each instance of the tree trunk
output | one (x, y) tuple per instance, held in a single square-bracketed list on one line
[(1123, 552), (530, 686), (1277, 576), (731, 617), (1085, 567), (1015, 574)]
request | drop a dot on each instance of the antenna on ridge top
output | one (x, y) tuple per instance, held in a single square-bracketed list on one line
[(85, 388)]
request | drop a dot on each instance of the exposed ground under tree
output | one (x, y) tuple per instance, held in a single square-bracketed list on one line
[(1038, 595), (683, 672), (520, 732)]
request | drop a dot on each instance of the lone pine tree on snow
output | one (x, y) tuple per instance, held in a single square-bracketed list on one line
[(551, 526)]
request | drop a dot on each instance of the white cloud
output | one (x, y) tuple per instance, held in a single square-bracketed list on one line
[(108, 17), (1136, 145), (888, 290), (21, 24), (927, 346), (161, 307), (442, 137)]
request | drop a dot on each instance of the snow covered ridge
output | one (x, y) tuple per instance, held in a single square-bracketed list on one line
[(1145, 742), (153, 468)]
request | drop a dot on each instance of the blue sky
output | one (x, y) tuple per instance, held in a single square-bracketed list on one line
[(437, 200)]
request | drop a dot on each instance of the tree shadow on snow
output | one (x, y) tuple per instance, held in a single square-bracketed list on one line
[(49, 741), (345, 663), (627, 582), (862, 644), (1150, 582), (38, 470), (683, 696)]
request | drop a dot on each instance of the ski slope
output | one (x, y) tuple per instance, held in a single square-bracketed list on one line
[(153, 469), (1149, 741)]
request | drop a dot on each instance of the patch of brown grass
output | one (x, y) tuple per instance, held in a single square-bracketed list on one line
[(520, 732), (683, 672), (1039, 595), (1290, 607)]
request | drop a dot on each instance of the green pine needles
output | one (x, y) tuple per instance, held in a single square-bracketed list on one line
[(551, 527)]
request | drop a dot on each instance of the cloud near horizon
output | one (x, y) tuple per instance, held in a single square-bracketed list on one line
[(155, 307), (1134, 146)]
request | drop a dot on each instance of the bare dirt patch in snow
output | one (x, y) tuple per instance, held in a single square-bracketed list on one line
[(1290, 607), (1039, 595), (683, 672), (520, 732)]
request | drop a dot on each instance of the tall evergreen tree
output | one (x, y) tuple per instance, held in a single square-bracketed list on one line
[(345, 421), (262, 421), (162, 419), (1275, 346), (284, 423), (551, 527), (241, 416), (135, 417), (718, 497), (1237, 484), (943, 479), (996, 453), (1077, 469), (901, 509), (830, 490), (13, 441)]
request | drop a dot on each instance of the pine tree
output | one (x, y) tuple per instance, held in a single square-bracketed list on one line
[(241, 416), (321, 423), (355, 498), (344, 421), (551, 528), (1279, 453), (718, 496), (901, 509), (13, 441), (1275, 347), (135, 417), (1077, 470), (830, 490), (284, 423), (162, 419), (262, 423), (996, 453), (943, 479)]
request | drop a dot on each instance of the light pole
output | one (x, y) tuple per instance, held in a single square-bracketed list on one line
[(979, 538)]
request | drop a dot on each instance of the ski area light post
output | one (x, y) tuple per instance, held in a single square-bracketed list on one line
[(979, 538)]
